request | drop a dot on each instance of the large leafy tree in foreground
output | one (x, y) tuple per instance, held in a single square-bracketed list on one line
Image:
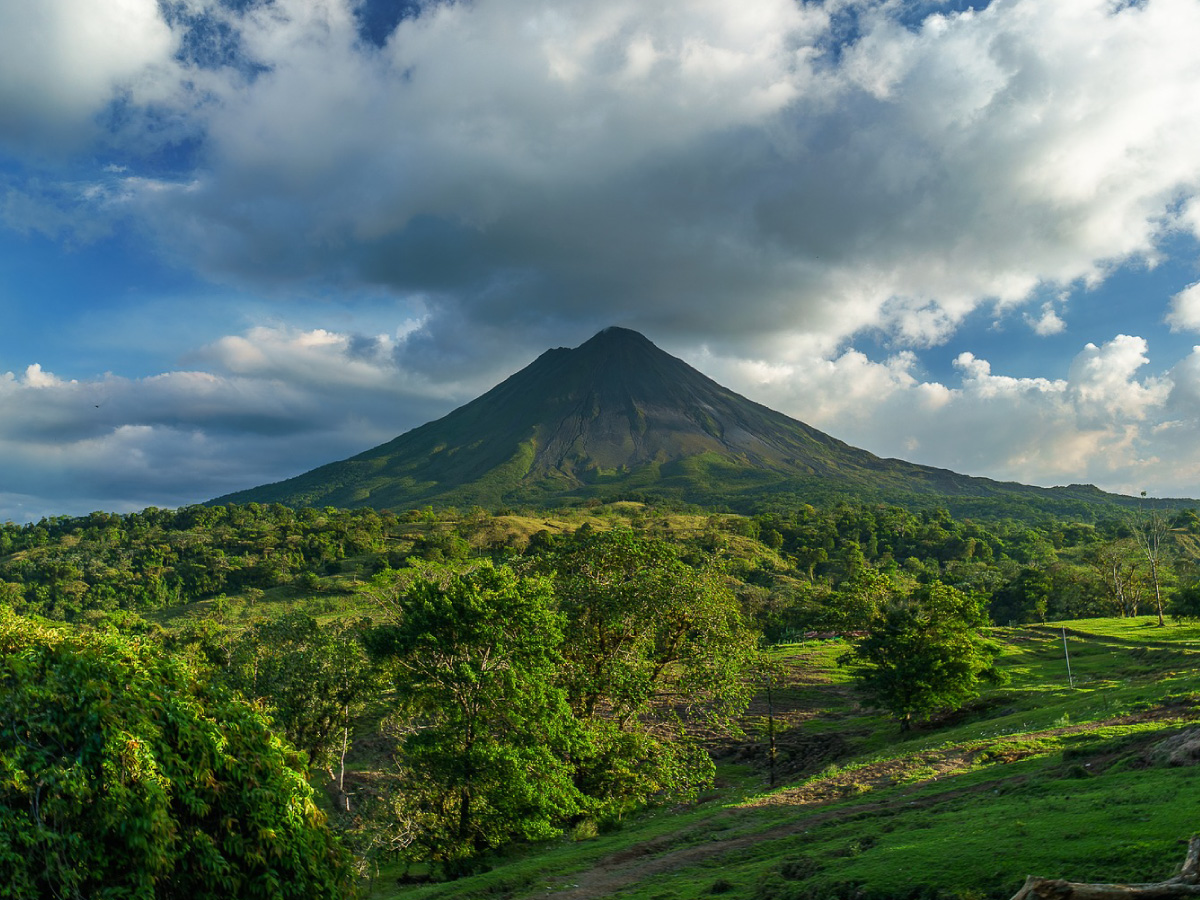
[(527, 700), (924, 653), (651, 642), (643, 629), (123, 774), (487, 730)]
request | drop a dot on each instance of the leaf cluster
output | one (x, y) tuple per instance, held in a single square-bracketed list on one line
[(124, 774), (528, 699)]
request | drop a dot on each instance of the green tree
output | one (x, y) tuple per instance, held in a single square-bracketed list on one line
[(1152, 532), (124, 774), (644, 628), (859, 597), (1024, 599), (1118, 568), (487, 729), (650, 642), (1185, 604), (924, 653), (313, 677)]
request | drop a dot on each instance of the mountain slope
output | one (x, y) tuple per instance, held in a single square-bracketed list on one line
[(612, 416)]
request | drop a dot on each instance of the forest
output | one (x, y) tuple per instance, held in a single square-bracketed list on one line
[(510, 675), (794, 570)]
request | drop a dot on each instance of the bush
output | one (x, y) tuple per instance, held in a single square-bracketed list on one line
[(123, 774)]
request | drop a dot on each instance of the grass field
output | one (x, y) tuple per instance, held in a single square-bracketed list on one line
[(1039, 776)]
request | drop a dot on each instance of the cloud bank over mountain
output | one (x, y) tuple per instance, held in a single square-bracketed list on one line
[(806, 200)]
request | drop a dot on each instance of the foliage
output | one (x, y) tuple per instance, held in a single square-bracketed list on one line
[(643, 627), (621, 767), (311, 676), (795, 567), (859, 598), (124, 775), (648, 640), (1151, 531), (160, 558), (923, 653), (1186, 602), (1118, 565), (488, 731)]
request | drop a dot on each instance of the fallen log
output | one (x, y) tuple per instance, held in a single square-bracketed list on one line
[(1185, 884)]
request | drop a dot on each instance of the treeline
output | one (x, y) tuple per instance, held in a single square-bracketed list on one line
[(1144, 563), (63, 567), (797, 569)]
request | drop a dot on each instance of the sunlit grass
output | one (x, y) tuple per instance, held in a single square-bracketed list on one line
[(1038, 776)]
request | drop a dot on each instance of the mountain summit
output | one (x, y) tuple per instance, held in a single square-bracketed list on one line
[(613, 416)]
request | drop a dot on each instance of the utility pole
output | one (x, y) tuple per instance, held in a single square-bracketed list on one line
[(1067, 656)]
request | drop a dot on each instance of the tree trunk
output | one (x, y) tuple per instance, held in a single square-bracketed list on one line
[(464, 813), (1185, 884), (1157, 592), (342, 768), (771, 727)]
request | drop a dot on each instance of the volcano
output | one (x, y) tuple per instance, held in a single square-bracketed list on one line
[(618, 417)]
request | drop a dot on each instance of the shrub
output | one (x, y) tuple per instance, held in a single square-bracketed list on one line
[(124, 774)]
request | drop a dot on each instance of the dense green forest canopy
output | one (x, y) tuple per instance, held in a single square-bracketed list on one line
[(796, 569), (521, 695)]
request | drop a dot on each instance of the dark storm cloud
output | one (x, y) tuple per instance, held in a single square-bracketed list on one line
[(708, 170)]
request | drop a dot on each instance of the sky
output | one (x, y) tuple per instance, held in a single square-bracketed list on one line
[(242, 238)]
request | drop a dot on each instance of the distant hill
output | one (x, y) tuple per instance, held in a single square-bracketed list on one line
[(617, 417)]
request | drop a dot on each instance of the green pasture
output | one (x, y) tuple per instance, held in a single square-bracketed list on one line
[(1042, 775)]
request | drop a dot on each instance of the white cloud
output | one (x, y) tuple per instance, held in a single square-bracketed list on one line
[(36, 378), (63, 61), (1103, 385), (520, 161), (1185, 392), (1107, 423), (1185, 309), (661, 161), (1048, 323), (314, 358)]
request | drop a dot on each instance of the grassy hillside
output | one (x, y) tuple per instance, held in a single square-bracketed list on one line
[(1094, 782)]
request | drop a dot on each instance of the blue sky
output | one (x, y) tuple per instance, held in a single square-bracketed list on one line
[(242, 238)]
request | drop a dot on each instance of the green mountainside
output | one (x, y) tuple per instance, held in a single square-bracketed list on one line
[(618, 417)]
